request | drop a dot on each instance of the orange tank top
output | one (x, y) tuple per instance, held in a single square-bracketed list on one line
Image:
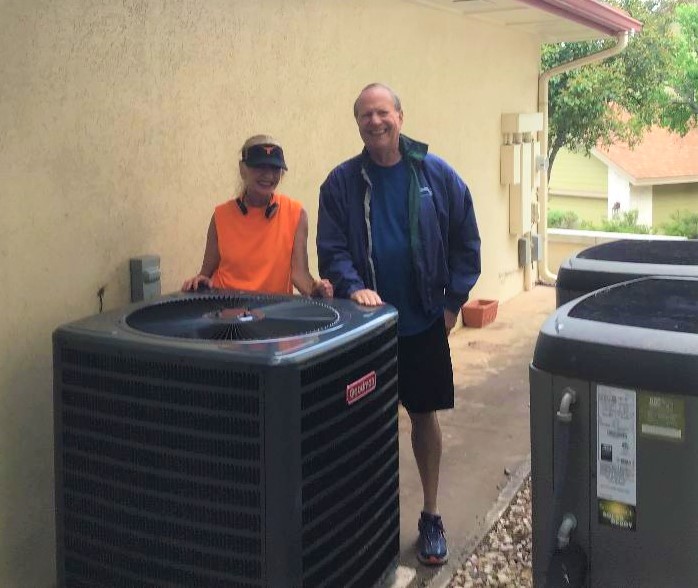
[(255, 251)]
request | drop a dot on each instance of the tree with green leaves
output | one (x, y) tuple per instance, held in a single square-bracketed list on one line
[(681, 111), (621, 97)]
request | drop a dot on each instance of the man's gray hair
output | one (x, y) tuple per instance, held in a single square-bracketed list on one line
[(394, 96)]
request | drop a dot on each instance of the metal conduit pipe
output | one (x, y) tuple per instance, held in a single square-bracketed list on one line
[(569, 397), (528, 268), (544, 273)]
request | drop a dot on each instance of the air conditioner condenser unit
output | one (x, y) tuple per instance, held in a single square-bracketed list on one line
[(227, 439)]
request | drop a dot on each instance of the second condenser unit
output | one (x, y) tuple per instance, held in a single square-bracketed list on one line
[(624, 259), (614, 437)]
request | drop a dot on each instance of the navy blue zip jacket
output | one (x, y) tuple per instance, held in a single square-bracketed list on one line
[(444, 237)]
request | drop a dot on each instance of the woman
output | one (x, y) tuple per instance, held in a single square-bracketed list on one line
[(259, 240)]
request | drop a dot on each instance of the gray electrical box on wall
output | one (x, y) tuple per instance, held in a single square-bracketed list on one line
[(145, 277), (524, 252), (536, 248)]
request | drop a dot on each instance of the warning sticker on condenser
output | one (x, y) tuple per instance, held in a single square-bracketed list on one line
[(661, 416), (616, 466)]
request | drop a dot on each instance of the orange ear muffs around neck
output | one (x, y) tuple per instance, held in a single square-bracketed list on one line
[(269, 211)]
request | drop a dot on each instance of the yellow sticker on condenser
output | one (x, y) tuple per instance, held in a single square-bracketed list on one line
[(618, 515), (662, 416)]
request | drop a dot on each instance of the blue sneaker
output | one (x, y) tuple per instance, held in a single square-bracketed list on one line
[(431, 545)]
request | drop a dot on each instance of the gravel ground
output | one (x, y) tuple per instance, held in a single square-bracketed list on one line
[(503, 558)]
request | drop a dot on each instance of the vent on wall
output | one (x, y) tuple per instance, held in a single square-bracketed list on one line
[(185, 459)]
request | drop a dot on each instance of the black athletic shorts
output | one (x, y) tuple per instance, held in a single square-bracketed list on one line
[(425, 374)]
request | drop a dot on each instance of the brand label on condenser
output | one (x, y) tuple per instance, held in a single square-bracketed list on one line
[(362, 387)]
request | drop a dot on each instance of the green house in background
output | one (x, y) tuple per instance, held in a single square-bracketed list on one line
[(657, 178), (579, 184)]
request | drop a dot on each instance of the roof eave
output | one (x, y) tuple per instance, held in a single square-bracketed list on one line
[(591, 13), (666, 180)]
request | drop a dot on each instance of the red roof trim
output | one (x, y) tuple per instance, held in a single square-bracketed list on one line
[(591, 13)]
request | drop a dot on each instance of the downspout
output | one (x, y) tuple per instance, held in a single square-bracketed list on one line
[(544, 274)]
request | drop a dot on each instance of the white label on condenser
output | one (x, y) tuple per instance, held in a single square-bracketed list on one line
[(616, 466)]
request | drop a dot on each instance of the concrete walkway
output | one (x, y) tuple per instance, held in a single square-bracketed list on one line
[(486, 444)]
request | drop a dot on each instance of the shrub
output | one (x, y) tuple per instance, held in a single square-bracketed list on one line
[(558, 219), (625, 222), (682, 224)]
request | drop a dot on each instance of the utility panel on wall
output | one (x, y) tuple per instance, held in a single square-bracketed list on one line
[(518, 166), (145, 277)]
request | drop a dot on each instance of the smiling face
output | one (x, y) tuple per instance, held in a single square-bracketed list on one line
[(260, 182), (379, 125)]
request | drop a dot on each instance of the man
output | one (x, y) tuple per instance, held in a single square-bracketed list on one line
[(396, 224)]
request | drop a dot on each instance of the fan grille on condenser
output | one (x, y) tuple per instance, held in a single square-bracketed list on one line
[(232, 317)]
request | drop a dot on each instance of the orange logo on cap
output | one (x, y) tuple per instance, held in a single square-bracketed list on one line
[(268, 149)]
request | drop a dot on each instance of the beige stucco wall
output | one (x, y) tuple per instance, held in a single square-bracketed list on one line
[(119, 129)]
